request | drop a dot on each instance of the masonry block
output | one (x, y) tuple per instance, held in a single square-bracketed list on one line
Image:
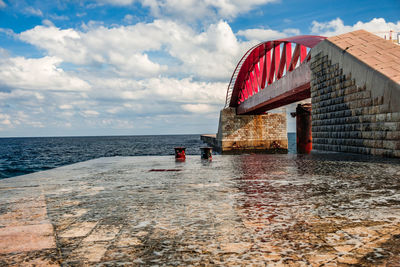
[(254, 133)]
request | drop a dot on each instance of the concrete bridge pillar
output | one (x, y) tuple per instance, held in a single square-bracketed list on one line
[(264, 133)]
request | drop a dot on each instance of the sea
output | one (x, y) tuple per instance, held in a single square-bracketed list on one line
[(23, 155)]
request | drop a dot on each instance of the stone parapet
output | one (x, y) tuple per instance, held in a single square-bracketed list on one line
[(355, 105)]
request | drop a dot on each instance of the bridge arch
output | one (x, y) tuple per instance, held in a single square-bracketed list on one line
[(264, 63)]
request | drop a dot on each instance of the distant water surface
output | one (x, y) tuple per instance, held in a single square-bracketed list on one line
[(20, 156)]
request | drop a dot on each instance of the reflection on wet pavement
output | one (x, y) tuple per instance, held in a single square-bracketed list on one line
[(291, 210)]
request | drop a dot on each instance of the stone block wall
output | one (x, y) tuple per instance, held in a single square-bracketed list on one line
[(258, 133), (349, 115)]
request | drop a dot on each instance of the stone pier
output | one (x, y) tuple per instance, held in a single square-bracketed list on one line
[(249, 133), (242, 210)]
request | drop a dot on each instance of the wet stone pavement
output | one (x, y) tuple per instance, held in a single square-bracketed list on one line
[(259, 210)]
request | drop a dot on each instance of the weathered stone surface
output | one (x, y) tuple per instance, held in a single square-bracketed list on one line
[(257, 133), (355, 103), (238, 210), (26, 238)]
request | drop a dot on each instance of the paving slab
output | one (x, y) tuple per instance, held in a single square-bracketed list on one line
[(275, 210)]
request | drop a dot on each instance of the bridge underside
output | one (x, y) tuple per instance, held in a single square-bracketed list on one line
[(293, 87)]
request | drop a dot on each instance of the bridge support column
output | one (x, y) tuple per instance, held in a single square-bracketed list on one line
[(264, 133), (303, 129)]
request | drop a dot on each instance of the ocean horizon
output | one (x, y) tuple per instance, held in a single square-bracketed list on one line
[(24, 155), (120, 135)]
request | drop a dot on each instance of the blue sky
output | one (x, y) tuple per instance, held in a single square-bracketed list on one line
[(121, 67)]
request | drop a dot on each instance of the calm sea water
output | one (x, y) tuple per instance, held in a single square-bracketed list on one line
[(20, 156)]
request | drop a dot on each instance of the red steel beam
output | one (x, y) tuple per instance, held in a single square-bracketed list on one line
[(257, 75), (281, 63), (260, 72), (267, 66), (274, 64), (277, 54), (288, 47), (248, 87), (245, 94), (285, 59), (252, 82), (257, 67), (303, 53), (295, 58)]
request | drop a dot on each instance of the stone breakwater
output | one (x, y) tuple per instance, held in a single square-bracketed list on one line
[(320, 209)]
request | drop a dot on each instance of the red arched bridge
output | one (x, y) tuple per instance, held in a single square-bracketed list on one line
[(266, 78), (352, 78)]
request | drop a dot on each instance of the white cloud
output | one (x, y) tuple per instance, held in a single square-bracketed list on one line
[(17, 119), (8, 32), (152, 106), (128, 18), (39, 96), (48, 23), (59, 17), (190, 10), (212, 53), (5, 122), (2, 4), (122, 73), (5, 119), (199, 108), (117, 123), (117, 2), (56, 42), (118, 75), (65, 106), (198, 9), (335, 27), (115, 110), (267, 34), (38, 74), (34, 11), (136, 64), (162, 90), (90, 113), (113, 103), (35, 124), (122, 47), (187, 90), (181, 10)]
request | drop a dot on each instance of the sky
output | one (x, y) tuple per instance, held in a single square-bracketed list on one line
[(134, 67)]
